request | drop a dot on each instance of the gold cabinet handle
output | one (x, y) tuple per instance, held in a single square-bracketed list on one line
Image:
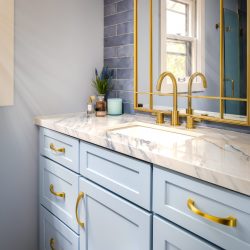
[(80, 196), (52, 244), (57, 150), (229, 221), (51, 188)]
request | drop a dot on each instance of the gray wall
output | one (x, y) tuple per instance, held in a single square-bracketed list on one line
[(118, 48), (53, 70)]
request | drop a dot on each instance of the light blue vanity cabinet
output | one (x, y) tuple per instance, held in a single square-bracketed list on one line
[(54, 234), (123, 175), (93, 198), (189, 203), (60, 148), (106, 206), (110, 222), (58, 191), (167, 235)]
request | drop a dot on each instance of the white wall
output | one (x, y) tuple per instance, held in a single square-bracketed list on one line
[(53, 69)]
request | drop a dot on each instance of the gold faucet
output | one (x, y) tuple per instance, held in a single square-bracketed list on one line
[(189, 110), (175, 112)]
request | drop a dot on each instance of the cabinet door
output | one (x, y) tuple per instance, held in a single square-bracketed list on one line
[(172, 193), (123, 175), (171, 237), (58, 191), (54, 234), (110, 222)]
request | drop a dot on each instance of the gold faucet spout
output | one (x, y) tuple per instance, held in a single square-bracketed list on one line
[(175, 112), (189, 110)]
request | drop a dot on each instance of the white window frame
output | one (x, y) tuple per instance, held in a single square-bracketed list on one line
[(197, 39)]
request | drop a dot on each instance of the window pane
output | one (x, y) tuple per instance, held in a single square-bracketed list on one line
[(177, 22), (177, 65), (177, 47), (177, 7)]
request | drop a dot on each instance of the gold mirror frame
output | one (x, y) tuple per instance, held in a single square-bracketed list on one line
[(221, 97)]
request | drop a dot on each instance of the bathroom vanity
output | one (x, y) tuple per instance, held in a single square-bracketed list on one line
[(123, 182)]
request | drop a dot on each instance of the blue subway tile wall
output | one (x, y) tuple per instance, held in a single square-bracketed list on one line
[(118, 48)]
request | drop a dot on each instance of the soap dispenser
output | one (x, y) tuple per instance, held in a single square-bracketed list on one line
[(90, 106)]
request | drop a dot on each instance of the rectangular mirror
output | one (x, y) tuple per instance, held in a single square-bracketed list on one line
[(6, 52), (186, 37)]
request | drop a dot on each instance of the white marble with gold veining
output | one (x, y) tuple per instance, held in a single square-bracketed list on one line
[(217, 156)]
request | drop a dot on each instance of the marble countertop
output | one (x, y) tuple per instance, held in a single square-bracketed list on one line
[(217, 156)]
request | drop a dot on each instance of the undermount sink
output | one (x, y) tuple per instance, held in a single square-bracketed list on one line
[(153, 133)]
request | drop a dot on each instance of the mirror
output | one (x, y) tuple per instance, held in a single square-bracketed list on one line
[(189, 36), (6, 52)]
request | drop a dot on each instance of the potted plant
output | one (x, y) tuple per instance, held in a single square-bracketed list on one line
[(102, 82)]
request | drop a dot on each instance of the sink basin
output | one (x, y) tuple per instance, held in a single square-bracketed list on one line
[(153, 133)]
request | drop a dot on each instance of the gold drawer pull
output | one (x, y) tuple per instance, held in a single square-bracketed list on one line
[(52, 244), (51, 188), (80, 196), (57, 150), (229, 221)]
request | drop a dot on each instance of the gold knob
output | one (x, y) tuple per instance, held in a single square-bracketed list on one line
[(57, 150), (80, 196), (52, 244), (51, 188), (228, 221)]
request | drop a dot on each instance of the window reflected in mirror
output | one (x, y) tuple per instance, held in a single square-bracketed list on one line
[(182, 29)]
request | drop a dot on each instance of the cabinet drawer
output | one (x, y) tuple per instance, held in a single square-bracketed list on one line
[(60, 148), (127, 177), (54, 234), (60, 198), (172, 192), (111, 223), (166, 235)]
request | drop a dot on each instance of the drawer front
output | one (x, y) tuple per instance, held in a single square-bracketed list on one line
[(58, 191), (172, 192), (111, 223), (168, 236), (54, 234), (60, 148), (127, 177)]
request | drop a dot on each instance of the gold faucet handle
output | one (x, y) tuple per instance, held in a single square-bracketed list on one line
[(160, 117), (191, 120)]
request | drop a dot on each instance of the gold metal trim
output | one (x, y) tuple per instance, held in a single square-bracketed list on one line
[(51, 189), (52, 244), (222, 59), (196, 96), (248, 62), (228, 221), (203, 117), (135, 54), (151, 53), (80, 196), (57, 150)]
